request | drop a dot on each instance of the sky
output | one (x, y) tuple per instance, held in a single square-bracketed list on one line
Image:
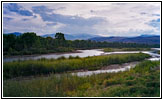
[(96, 18)]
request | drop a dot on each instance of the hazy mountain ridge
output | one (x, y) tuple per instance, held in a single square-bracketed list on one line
[(147, 39), (83, 36), (15, 33)]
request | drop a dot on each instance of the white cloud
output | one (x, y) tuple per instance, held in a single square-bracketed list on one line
[(120, 18), (31, 25)]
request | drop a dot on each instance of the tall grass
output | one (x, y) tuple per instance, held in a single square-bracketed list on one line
[(125, 49), (44, 66), (141, 81)]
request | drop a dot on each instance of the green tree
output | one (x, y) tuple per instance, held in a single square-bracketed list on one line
[(59, 36), (29, 39), (9, 41), (60, 40)]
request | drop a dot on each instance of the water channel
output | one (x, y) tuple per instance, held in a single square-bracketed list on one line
[(86, 53)]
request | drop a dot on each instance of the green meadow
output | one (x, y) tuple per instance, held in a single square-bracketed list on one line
[(141, 81)]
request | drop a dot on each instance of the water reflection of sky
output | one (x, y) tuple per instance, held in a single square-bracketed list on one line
[(86, 53), (88, 73), (83, 53)]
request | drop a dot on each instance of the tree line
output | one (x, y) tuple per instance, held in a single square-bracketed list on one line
[(29, 43)]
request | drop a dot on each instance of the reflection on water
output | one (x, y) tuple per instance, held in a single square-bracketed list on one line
[(86, 53), (155, 49), (83, 53), (154, 57), (88, 73)]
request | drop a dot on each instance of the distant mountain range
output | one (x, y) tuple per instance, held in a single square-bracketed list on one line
[(146, 39), (83, 36), (15, 33)]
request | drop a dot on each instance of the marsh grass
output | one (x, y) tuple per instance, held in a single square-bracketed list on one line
[(141, 81), (125, 49), (46, 66)]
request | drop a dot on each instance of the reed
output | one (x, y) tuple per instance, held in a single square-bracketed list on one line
[(125, 49), (47, 66), (141, 81)]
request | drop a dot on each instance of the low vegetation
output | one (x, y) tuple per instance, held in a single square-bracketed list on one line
[(47, 66), (141, 81), (125, 49)]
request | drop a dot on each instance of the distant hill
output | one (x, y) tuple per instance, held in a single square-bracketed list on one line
[(147, 39), (83, 36), (15, 33), (143, 39), (73, 37), (147, 35)]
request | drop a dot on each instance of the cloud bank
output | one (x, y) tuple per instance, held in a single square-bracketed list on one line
[(104, 19)]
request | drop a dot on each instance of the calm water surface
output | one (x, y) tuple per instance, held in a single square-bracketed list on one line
[(154, 57), (83, 53), (88, 73), (86, 53)]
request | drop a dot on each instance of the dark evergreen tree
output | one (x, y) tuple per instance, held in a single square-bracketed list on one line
[(59, 36)]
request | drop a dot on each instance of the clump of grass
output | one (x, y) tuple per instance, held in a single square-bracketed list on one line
[(61, 58), (42, 59), (109, 49), (76, 57)]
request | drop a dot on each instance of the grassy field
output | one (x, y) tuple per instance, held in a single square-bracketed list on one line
[(125, 49), (141, 81), (45, 66)]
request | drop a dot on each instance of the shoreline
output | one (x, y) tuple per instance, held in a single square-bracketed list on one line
[(109, 67), (33, 55), (57, 53), (75, 51)]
